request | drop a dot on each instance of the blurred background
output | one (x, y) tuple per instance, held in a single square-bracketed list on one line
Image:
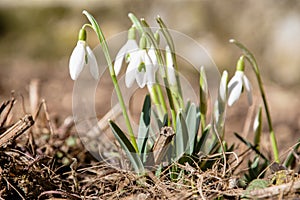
[(38, 36)]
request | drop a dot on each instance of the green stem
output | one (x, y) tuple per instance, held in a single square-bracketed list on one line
[(141, 31), (104, 46), (170, 43), (160, 62), (251, 59), (155, 98), (161, 98)]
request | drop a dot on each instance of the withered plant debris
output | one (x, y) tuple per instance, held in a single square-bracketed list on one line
[(37, 162)]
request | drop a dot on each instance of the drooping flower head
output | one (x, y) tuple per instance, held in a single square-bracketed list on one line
[(238, 82), (82, 55), (126, 51), (140, 67)]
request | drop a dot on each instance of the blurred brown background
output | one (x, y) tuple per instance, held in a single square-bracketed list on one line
[(37, 37)]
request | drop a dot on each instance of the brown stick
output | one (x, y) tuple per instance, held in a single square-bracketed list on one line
[(16, 130), (161, 144), (275, 190), (9, 104)]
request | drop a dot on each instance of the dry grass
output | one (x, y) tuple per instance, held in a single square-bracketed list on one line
[(46, 160)]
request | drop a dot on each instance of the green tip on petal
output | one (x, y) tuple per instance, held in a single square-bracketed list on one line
[(131, 33), (143, 42), (240, 66), (82, 34)]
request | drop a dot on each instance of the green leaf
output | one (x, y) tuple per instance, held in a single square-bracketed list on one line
[(201, 142), (181, 137), (191, 122), (160, 123), (257, 126), (143, 135), (291, 157), (128, 147), (143, 132), (187, 107)]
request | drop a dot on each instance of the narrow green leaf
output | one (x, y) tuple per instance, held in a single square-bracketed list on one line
[(181, 137), (201, 142), (191, 122), (144, 125), (143, 134), (291, 157), (128, 147), (257, 127), (187, 107)]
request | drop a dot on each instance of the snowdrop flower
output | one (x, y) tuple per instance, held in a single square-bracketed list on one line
[(170, 67), (219, 108), (140, 67), (126, 51), (236, 84), (82, 55)]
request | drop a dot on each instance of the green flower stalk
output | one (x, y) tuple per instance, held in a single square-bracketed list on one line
[(104, 46), (143, 28), (177, 87), (249, 56)]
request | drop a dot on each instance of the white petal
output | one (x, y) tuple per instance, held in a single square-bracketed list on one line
[(128, 48), (235, 93), (140, 78), (119, 60), (92, 62), (131, 69), (170, 67), (132, 46), (152, 55), (171, 75), (248, 88), (150, 71), (77, 60), (256, 122), (236, 78), (223, 86)]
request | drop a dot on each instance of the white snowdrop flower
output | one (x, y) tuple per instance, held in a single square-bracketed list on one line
[(82, 55), (170, 67), (140, 67), (236, 84), (129, 48)]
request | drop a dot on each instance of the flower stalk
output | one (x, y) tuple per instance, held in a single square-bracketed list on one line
[(143, 29), (252, 60), (104, 46)]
